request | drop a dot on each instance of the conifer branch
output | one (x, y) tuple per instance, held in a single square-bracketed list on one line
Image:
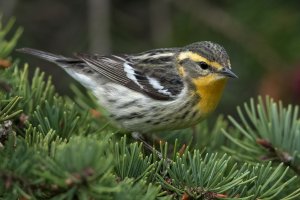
[(269, 131), (57, 149)]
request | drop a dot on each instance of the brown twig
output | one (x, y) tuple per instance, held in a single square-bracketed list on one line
[(279, 155)]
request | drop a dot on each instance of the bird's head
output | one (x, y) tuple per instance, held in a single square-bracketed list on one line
[(206, 67), (206, 61)]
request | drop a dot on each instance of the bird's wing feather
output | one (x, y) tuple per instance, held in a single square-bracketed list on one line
[(158, 82), (150, 72)]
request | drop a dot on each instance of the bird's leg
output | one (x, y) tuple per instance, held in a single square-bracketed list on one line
[(139, 137)]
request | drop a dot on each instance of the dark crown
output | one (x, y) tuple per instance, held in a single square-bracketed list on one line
[(212, 51)]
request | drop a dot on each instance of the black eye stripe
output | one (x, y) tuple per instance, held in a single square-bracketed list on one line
[(203, 65)]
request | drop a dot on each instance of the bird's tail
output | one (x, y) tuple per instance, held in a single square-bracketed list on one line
[(42, 54), (73, 66)]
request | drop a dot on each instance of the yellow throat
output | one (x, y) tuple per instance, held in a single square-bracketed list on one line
[(210, 90)]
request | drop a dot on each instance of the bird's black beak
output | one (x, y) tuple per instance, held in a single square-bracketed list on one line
[(227, 72)]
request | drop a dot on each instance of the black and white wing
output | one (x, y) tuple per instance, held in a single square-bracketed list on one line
[(159, 80), (152, 73)]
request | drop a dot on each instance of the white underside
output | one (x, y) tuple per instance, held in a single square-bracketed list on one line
[(107, 92)]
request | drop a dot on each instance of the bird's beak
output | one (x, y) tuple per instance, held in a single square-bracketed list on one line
[(227, 72)]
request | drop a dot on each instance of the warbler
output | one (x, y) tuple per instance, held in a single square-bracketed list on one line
[(160, 89)]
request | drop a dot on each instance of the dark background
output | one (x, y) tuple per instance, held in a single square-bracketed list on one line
[(261, 37)]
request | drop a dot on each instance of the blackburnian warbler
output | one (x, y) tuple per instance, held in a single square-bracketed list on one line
[(160, 89)]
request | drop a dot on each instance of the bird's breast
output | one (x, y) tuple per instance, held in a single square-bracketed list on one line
[(210, 90)]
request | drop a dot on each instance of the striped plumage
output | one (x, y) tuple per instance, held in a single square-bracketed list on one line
[(160, 89)]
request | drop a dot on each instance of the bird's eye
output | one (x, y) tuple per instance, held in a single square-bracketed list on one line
[(203, 65)]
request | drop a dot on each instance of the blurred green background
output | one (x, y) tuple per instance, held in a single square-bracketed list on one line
[(261, 37)]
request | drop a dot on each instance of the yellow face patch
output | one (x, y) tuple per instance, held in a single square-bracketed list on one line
[(197, 58), (210, 89)]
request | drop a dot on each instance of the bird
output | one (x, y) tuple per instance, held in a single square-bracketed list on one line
[(156, 90)]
